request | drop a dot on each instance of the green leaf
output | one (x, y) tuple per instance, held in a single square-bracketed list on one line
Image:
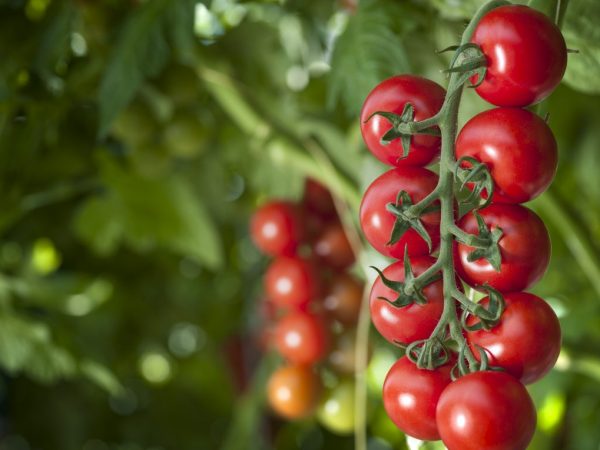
[(148, 213), (101, 376), (581, 31), (140, 51), (367, 52)]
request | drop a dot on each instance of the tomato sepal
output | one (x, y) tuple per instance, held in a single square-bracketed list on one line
[(406, 220)]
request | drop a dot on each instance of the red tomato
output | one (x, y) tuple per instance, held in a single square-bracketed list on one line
[(294, 391), (291, 282), (377, 222), (317, 199), (391, 95), (410, 397), (343, 299), (518, 148), (486, 410), (301, 338), (526, 341), (408, 323), (333, 248), (524, 247), (276, 228), (526, 55)]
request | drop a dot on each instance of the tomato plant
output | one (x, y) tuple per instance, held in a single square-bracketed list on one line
[(410, 397), (392, 95), (343, 298), (486, 410), (526, 340), (377, 221), (517, 147), (276, 228), (403, 325), (526, 55), (294, 391), (524, 248)]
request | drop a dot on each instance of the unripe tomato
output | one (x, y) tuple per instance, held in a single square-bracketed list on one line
[(524, 248), (392, 95), (185, 136), (291, 282), (486, 410), (517, 147), (526, 340), (403, 325), (276, 228), (302, 338), (526, 55), (410, 397), (377, 222), (294, 391), (336, 411), (135, 125)]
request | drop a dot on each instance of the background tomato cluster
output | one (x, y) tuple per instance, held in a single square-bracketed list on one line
[(136, 139)]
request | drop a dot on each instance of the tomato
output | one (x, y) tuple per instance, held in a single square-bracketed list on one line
[(343, 299), (392, 95), (377, 222), (342, 357), (486, 410), (276, 228), (318, 200), (291, 282), (332, 248), (410, 397), (336, 411), (412, 322), (185, 136), (526, 341), (301, 338), (293, 391), (526, 55), (524, 248), (518, 148)]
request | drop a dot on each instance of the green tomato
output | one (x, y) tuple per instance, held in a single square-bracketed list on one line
[(180, 84), (336, 411), (184, 136)]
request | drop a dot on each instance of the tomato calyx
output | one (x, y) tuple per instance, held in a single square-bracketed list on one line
[(488, 316), (403, 127), (474, 177), (485, 242), (411, 289), (428, 353), (407, 219), (469, 62)]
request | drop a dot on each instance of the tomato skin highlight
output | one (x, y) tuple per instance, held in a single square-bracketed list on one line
[(293, 392), (410, 397), (486, 410), (526, 341), (524, 246), (412, 322), (302, 338), (391, 95), (291, 282), (526, 55), (517, 147), (276, 228), (377, 222)]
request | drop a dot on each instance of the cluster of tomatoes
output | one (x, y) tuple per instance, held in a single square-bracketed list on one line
[(525, 57), (313, 303)]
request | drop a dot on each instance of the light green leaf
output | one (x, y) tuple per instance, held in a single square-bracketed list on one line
[(367, 52), (101, 376), (581, 31)]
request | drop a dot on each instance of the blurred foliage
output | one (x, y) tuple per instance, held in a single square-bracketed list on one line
[(136, 137)]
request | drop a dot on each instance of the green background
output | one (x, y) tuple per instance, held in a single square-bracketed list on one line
[(136, 138)]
